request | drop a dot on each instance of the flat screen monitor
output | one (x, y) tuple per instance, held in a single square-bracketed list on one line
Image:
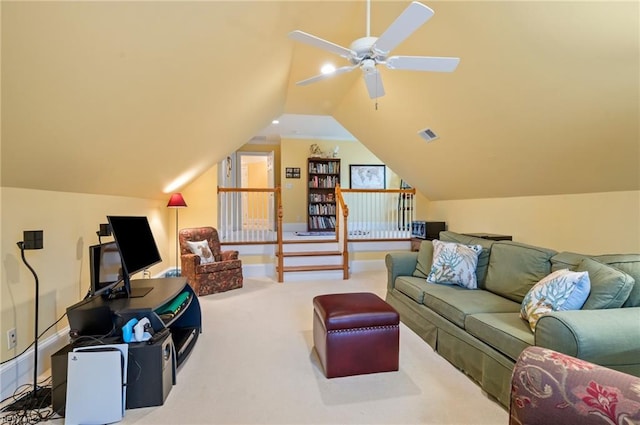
[(137, 247), (105, 267)]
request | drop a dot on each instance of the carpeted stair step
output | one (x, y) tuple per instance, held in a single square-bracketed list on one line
[(311, 268)]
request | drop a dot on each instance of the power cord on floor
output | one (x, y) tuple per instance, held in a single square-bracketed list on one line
[(32, 414)]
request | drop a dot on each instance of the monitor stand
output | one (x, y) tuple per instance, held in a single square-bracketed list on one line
[(139, 292)]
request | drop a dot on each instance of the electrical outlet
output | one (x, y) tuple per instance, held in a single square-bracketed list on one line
[(12, 339)]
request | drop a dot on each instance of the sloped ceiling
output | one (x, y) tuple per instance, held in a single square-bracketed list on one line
[(135, 98)]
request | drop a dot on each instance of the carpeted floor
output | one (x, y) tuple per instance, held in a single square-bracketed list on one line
[(254, 364)]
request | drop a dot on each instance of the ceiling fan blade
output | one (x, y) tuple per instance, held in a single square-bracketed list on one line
[(312, 40), (404, 25), (321, 77), (423, 63), (373, 80)]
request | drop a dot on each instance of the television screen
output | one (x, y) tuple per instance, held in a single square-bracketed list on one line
[(105, 267), (136, 244)]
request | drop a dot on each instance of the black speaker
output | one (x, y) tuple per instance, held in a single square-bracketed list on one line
[(105, 230), (32, 239), (150, 373)]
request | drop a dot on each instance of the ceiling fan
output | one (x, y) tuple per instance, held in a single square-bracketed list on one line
[(368, 52)]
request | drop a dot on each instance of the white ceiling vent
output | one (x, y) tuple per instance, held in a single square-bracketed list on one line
[(428, 134)]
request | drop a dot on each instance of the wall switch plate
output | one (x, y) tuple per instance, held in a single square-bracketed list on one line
[(12, 339)]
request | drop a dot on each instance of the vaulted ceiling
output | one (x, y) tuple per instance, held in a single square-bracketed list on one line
[(134, 98)]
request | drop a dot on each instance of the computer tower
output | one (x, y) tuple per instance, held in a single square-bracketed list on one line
[(151, 373)]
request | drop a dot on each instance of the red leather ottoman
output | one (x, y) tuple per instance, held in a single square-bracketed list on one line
[(355, 333)]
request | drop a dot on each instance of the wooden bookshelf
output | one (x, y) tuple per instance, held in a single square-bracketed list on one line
[(323, 175)]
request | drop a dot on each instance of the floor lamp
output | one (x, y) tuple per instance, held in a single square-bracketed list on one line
[(176, 201), (38, 397)]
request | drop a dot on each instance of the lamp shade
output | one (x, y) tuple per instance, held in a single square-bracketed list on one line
[(176, 201)]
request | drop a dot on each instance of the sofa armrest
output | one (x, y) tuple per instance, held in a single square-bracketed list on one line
[(548, 387), (399, 264), (609, 337)]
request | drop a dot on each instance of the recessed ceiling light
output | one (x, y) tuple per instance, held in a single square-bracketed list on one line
[(275, 122), (328, 68)]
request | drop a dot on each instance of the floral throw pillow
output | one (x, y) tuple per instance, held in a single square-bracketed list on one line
[(561, 290), (454, 264), (202, 249)]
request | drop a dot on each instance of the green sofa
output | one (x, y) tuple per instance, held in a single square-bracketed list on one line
[(480, 331)]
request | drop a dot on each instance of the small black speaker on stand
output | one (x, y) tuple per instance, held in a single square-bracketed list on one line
[(33, 239), (105, 230), (38, 397)]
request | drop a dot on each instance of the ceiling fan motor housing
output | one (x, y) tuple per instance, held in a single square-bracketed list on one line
[(363, 49)]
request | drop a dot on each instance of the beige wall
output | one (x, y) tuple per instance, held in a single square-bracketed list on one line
[(592, 223), (69, 222)]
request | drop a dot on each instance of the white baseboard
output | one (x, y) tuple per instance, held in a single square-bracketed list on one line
[(20, 370)]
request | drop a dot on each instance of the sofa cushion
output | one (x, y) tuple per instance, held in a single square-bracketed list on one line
[(630, 264), (454, 264), (454, 302), (610, 287), (515, 267), (483, 258), (566, 260), (412, 287), (561, 290), (425, 259), (506, 332)]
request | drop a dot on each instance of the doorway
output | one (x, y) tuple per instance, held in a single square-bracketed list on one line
[(249, 211)]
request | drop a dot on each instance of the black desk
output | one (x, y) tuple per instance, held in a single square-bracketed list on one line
[(95, 315), (154, 367)]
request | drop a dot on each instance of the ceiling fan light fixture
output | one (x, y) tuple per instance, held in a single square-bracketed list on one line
[(328, 68)]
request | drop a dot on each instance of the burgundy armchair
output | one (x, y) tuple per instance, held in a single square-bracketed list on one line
[(222, 274)]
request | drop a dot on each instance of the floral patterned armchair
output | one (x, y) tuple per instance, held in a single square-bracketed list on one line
[(548, 387), (210, 270)]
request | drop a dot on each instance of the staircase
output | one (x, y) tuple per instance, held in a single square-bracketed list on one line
[(312, 257)]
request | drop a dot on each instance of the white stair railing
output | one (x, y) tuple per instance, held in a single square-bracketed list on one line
[(247, 214), (380, 213)]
